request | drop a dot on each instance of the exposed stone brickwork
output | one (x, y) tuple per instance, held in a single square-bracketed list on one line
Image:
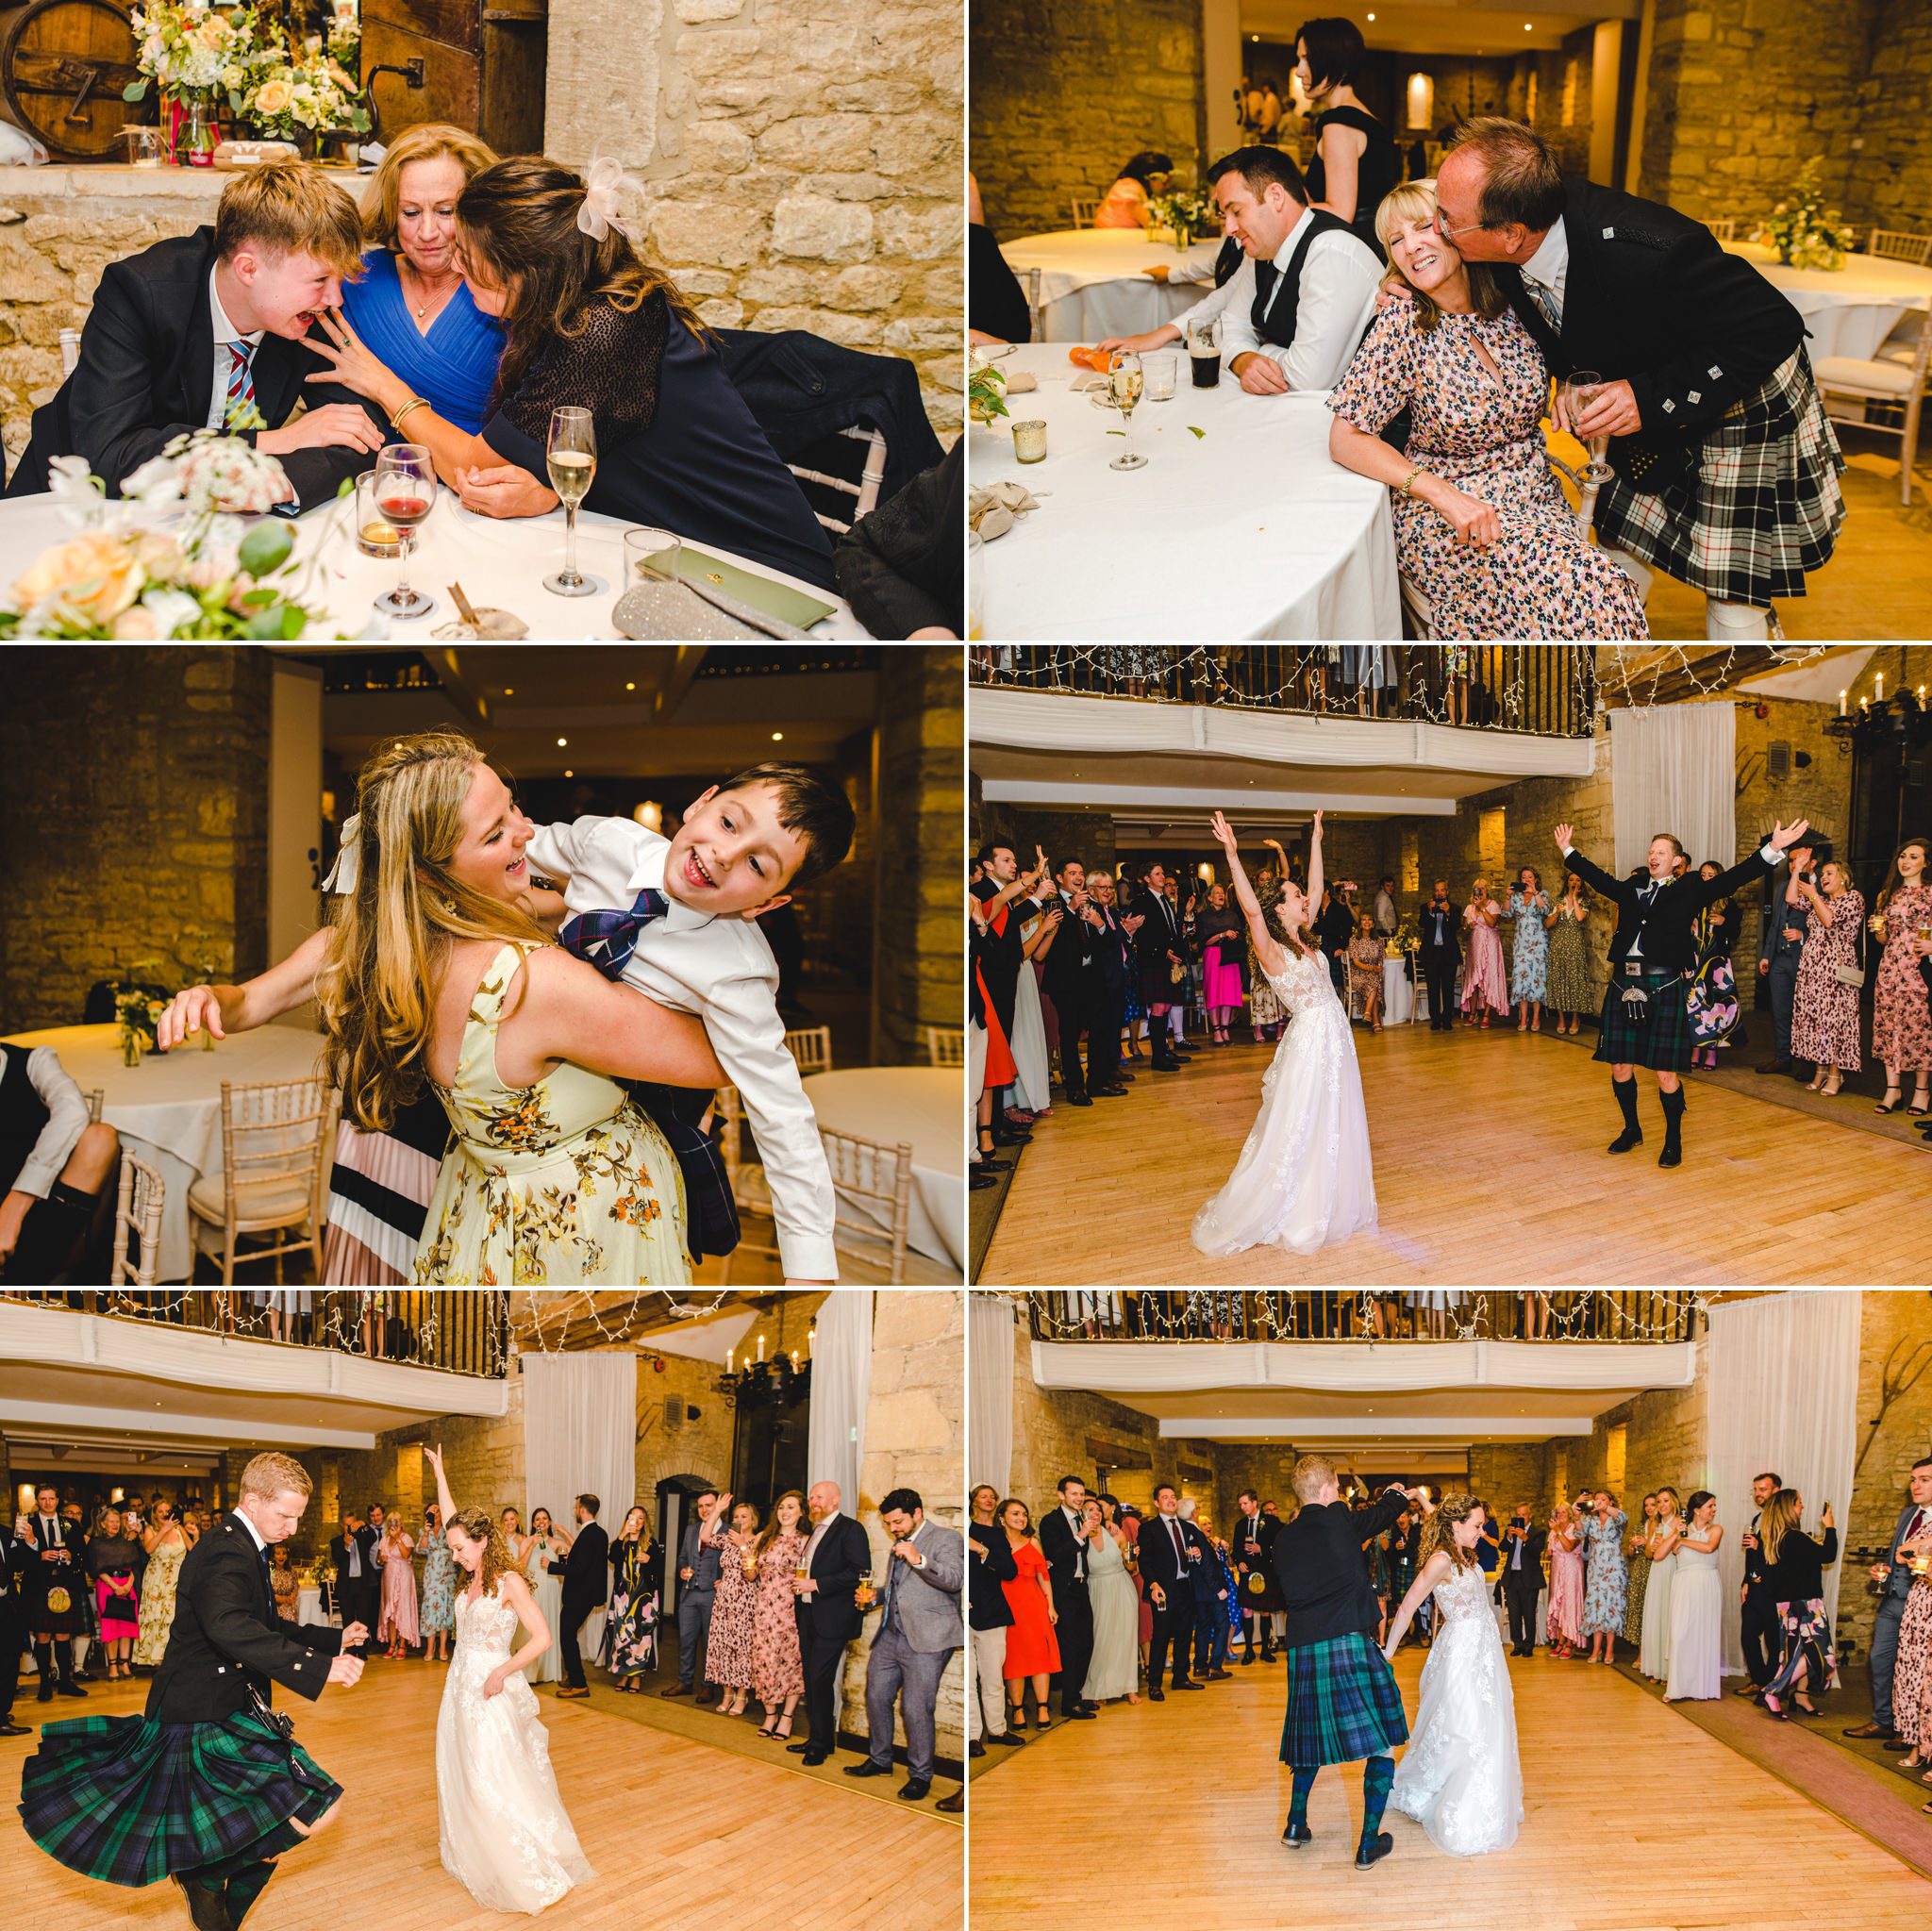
[(1895, 1356)]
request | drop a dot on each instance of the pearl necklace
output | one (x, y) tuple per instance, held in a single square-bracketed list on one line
[(420, 308)]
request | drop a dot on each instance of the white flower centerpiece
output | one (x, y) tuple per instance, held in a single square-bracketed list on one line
[(1805, 232)]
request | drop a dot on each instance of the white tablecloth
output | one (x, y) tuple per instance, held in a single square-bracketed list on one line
[(918, 1103), (1398, 995), (168, 1109), (1094, 282), (1849, 310), (499, 562), (1248, 530), (309, 1608)]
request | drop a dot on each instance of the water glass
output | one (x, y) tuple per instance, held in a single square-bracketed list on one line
[(1159, 371)]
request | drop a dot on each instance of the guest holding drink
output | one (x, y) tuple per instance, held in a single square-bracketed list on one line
[(1564, 1617), (1911, 1677), (1114, 1669), (111, 1552), (734, 1614), (1697, 1599), (1221, 935), (1529, 905), (1901, 1014), (777, 1666), (1825, 1012)]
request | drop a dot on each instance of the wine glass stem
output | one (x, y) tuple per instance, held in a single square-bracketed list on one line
[(1127, 423), (404, 593), (569, 542)]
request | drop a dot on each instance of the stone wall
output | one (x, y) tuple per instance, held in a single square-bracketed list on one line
[(801, 160), (918, 972), (1894, 1360), (135, 786), (1891, 183), (1064, 94)]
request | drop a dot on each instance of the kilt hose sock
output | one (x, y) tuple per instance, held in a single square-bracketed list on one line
[(1632, 1134), (1378, 1776), (1304, 1774), (1674, 1124), (245, 1886)]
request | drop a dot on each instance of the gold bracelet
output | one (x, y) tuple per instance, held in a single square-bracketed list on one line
[(1408, 482), (415, 402)]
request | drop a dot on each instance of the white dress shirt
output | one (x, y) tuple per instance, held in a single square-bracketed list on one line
[(818, 1536), (66, 1121), (1340, 276), (722, 970), (1212, 304), (1550, 265), (225, 333)]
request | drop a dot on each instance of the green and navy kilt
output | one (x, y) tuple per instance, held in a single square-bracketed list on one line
[(127, 1801), (1660, 1040), (1759, 506), (1342, 1703)]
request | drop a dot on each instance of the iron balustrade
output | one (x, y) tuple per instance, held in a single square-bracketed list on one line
[(1547, 690), (464, 1332), (1556, 1316)]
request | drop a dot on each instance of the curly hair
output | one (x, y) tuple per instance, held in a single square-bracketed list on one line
[(1456, 1506), (497, 1559)]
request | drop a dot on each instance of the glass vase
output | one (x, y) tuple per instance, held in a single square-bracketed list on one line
[(130, 1046)]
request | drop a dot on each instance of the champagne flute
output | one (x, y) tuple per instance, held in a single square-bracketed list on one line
[(405, 494), (572, 455), (1125, 381), (1581, 388)]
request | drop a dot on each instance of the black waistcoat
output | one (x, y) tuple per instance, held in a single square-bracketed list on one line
[(1277, 326), (22, 1115)]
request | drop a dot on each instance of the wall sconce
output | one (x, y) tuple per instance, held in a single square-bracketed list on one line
[(1422, 103), (650, 814), (1205, 872)]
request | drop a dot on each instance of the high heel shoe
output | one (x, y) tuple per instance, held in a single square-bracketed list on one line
[(1895, 1098), (1922, 1102)]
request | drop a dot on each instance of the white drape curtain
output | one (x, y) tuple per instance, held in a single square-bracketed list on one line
[(840, 1384), (579, 1439), (989, 1390), (1784, 1389), (1671, 770)]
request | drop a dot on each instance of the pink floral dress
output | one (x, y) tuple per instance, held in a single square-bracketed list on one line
[(1900, 1019), (1825, 1010), (1484, 981), (1481, 432), (777, 1667)]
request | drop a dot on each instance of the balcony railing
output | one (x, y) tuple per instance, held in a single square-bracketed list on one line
[(1546, 690), (1356, 1314), (465, 1333)]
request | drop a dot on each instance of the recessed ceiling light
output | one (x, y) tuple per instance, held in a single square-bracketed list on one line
[(630, 686), (507, 692), (777, 737), (567, 773), (561, 742)]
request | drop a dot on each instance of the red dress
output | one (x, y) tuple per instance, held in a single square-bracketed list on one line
[(1032, 1649)]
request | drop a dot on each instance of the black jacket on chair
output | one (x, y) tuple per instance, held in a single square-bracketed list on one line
[(1668, 922), (226, 1638), (902, 568), (146, 375), (586, 1568), (1649, 298)]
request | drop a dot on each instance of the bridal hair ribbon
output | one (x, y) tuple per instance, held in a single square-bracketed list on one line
[(598, 215), (348, 868)]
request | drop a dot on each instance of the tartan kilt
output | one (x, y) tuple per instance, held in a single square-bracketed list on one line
[(1663, 1040), (1759, 506), (127, 1801), (1342, 1703)]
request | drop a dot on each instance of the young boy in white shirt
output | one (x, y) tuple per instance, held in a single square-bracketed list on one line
[(674, 918)]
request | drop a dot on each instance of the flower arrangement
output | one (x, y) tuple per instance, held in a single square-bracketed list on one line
[(1805, 232), (344, 39), (986, 392), (137, 1015), (1184, 212), (172, 558), (288, 98), (189, 49)]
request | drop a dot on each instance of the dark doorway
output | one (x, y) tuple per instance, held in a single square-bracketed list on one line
[(676, 1510), (770, 1433)]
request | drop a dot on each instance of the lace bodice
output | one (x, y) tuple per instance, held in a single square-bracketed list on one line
[(484, 1627), (1463, 1595), (1303, 983)]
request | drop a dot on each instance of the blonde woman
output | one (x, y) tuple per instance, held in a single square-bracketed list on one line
[(1571, 993), (1365, 956), (1481, 527), (1654, 1626), (1794, 1565), (1460, 1778), (1824, 1007), (1485, 982)]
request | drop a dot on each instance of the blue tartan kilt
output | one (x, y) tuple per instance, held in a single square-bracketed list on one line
[(127, 1801), (1660, 1040), (1342, 1703)]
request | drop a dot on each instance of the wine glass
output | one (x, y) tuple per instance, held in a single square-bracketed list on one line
[(572, 455), (1581, 388), (1125, 381), (405, 493)]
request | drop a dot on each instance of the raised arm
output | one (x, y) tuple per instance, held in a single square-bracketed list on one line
[(445, 1502), (1267, 949), (225, 1010), (1432, 1572), (575, 1013)]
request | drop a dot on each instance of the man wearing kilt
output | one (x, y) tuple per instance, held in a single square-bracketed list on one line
[(208, 1787), (1644, 1021), (1342, 1702), (1726, 468)]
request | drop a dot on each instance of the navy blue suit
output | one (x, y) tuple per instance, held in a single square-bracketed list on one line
[(1782, 955)]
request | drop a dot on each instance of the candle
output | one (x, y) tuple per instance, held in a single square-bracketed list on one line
[(1029, 440), (1840, 703), (1878, 685), (1865, 706), (729, 1364), (761, 1349), (794, 1361), (811, 1334)]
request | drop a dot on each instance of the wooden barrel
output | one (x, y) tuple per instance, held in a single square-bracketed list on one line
[(62, 66)]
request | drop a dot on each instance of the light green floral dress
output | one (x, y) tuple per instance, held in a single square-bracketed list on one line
[(563, 1183)]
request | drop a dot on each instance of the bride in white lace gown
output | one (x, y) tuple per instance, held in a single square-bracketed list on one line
[(1305, 1175), (504, 1831), (1459, 1777)]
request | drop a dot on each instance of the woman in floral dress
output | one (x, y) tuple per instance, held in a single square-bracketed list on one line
[(1825, 1009), (777, 1665), (1901, 1014), (167, 1546), (1711, 1003), (1365, 956), (1485, 985), (1264, 1008), (1606, 1578), (630, 1630), (438, 975), (1482, 529), (728, 1646), (1571, 993), (1529, 905), (439, 1608), (398, 1625), (1637, 1547)]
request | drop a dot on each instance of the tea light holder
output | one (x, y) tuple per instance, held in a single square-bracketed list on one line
[(1029, 440)]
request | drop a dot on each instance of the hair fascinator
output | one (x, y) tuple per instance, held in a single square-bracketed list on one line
[(598, 215)]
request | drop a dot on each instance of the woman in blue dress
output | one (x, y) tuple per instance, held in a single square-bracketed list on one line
[(1529, 959), (1606, 1577), (439, 1611)]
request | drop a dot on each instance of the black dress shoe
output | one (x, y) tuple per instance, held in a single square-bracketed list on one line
[(207, 1907), (1374, 1853), (13, 1729), (1247, 1659), (981, 1181), (868, 1769), (1187, 1683), (1157, 1696), (813, 1758), (1109, 1093), (1079, 1714), (1167, 1066), (1011, 1737), (46, 1692), (1296, 1835), (1626, 1141), (953, 1805), (1078, 1100), (914, 1789), (69, 1690), (794, 1749), (975, 1748)]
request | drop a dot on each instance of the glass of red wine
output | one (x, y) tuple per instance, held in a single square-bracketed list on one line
[(405, 494)]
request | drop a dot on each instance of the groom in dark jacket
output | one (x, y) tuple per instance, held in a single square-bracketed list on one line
[(82, 1795), (586, 1575)]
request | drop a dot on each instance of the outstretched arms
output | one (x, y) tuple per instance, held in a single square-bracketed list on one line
[(225, 1010), (1266, 947), (443, 1502), (1314, 867)]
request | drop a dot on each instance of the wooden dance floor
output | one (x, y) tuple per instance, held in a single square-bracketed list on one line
[(1489, 1171), (682, 1834), (1634, 1820)]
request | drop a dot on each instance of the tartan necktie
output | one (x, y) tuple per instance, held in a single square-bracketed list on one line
[(1545, 299), (606, 938), (240, 381)]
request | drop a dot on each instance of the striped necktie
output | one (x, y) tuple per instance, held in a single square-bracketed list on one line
[(1545, 299), (240, 382)]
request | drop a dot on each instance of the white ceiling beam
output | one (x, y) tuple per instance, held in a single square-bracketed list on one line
[(1436, 1430), (1202, 801), (267, 1431)]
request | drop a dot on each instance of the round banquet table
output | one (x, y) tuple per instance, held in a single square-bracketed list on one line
[(1849, 310), (1094, 282), (168, 1109), (1248, 530), (308, 1606), (500, 562), (918, 1103), (1398, 995)]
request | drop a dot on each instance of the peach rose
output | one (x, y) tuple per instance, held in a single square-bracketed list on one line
[(273, 97), (98, 577)]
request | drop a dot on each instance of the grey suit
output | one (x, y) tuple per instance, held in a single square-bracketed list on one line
[(694, 1602), (1891, 1608), (923, 1621), (1781, 955)]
